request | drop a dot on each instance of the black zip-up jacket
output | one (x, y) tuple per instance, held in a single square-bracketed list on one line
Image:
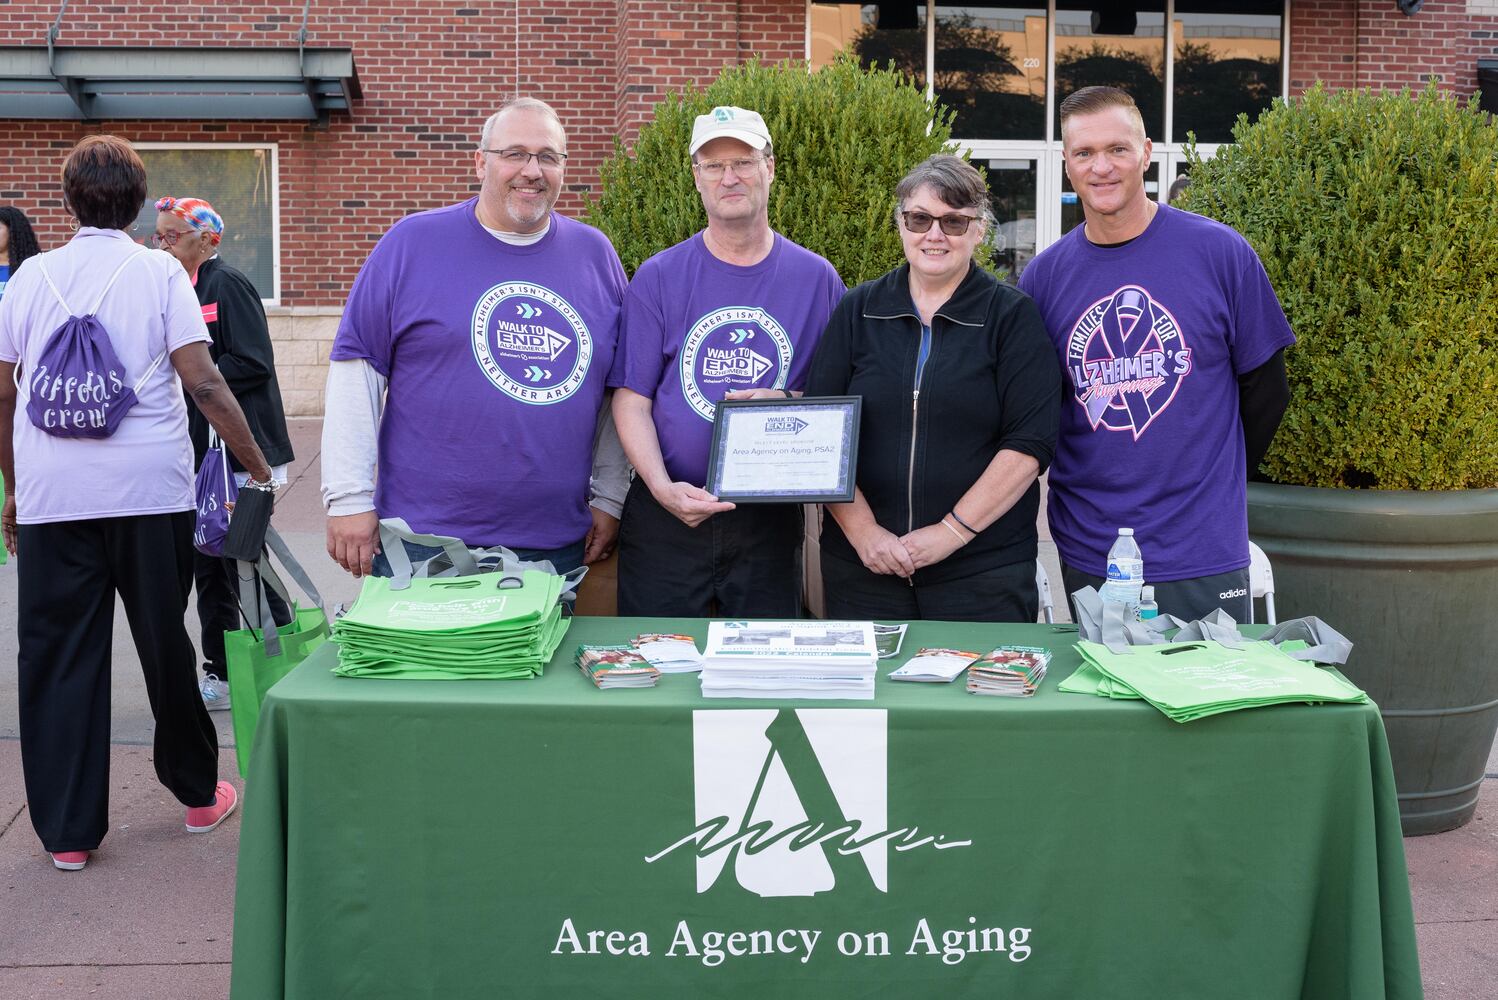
[(242, 350), (991, 382)]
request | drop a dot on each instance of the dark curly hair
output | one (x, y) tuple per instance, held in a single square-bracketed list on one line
[(22, 237)]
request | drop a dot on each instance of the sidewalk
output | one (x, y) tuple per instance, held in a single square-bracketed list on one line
[(151, 917)]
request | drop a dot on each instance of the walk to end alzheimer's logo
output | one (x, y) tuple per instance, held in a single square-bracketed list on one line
[(1127, 358), (729, 349), (530, 342)]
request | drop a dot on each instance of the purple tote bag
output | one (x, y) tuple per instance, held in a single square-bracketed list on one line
[(215, 492)]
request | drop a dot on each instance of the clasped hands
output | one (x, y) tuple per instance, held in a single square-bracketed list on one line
[(882, 551)]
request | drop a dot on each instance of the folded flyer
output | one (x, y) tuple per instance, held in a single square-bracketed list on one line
[(934, 666)]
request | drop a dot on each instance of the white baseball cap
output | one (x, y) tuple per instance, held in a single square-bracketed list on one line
[(732, 123)]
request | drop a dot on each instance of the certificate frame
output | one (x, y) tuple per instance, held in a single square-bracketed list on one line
[(737, 426)]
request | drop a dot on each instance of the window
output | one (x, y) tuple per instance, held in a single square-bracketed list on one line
[(1116, 46), (875, 32), (1227, 62), (240, 182), (991, 68)]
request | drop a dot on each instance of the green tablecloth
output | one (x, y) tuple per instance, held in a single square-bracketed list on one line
[(485, 839)]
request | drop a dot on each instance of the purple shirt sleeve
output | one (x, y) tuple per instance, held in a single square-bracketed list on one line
[(366, 331), (832, 292), (640, 357), (1259, 324)]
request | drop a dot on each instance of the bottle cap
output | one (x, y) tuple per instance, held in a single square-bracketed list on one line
[(1147, 593), (1126, 531)]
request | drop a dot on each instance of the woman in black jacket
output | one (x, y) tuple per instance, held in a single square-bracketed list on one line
[(961, 393)]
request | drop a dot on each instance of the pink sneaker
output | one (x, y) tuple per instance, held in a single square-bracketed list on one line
[(205, 818), (70, 861)]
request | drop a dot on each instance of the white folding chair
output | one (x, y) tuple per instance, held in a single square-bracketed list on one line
[(1043, 586), (1260, 583)]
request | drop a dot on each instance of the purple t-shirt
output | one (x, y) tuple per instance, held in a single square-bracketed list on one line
[(1152, 337), (496, 356), (696, 328)]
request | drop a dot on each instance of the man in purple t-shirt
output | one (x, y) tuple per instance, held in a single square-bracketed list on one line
[(485, 331), (732, 313), (1172, 343)]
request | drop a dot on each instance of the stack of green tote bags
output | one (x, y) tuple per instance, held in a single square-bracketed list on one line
[(492, 626)]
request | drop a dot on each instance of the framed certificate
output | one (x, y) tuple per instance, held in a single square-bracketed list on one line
[(799, 450)]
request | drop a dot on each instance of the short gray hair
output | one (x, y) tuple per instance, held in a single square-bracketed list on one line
[(953, 180), (521, 104)]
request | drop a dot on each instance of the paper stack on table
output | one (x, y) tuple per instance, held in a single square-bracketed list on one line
[(934, 666), (796, 659), (616, 666), (1191, 680), (670, 654), (490, 626), (1014, 671)]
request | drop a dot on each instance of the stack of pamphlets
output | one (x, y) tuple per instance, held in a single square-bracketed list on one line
[(934, 666), (490, 626), (797, 659), (1014, 671), (1191, 680), (616, 667), (670, 654)]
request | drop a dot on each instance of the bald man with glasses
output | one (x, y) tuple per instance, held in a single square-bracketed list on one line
[(469, 369), (734, 312)]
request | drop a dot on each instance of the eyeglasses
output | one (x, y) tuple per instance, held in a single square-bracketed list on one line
[(953, 225), (547, 159), (714, 170), (168, 239)]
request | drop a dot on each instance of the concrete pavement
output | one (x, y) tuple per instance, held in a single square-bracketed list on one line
[(151, 917)]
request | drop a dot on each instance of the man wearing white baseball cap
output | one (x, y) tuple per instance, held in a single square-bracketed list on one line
[(733, 312)]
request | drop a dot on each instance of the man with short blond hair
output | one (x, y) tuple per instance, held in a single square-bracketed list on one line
[(1172, 343), (734, 312), (469, 366)]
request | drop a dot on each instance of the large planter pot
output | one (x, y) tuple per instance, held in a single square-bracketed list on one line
[(1412, 579)]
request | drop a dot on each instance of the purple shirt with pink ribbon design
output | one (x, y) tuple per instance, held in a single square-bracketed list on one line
[(1152, 337)]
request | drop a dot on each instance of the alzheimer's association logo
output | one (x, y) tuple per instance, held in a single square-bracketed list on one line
[(794, 802), (739, 347), (530, 342), (1127, 358)]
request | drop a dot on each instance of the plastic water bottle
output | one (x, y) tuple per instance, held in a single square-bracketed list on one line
[(1147, 607), (1125, 574)]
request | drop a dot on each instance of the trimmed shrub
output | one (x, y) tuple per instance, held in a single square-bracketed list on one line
[(1376, 217), (843, 135)]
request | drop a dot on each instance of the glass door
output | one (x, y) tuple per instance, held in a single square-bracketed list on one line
[(1013, 188)]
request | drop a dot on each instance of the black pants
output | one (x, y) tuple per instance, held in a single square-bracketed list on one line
[(998, 594), (68, 574), (744, 563), (1186, 599), (218, 608)]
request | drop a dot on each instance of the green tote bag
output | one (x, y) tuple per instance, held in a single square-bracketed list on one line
[(258, 656)]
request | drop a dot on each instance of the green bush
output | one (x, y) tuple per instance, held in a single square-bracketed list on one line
[(844, 136), (1376, 217)]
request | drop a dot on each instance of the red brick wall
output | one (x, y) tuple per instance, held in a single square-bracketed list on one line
[(431, 72), (1369, 43)]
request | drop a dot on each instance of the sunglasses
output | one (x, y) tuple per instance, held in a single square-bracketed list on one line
[(953, 225)]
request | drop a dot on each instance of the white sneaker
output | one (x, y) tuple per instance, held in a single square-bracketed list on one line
[(215, 693)]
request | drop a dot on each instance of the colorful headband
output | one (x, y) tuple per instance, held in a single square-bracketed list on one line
[(197, 213)]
